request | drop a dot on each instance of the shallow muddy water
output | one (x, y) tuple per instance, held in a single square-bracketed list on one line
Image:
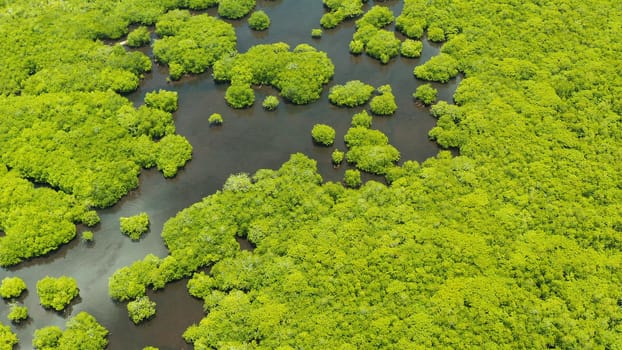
[(248, 140)]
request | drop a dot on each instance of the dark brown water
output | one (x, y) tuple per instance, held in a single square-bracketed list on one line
[(248, 140)]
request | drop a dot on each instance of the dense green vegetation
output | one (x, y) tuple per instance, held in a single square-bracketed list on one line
[(340, 10), (61, 123), (316, 33), (162, 99), (352, 178), (234, 9), (337, 157), (370, 150), (299, 75), (425, 93), (270, 103), (323, 134), (384, 103), (139, 37), (134, 226), (362, 119), (57, 292), (411, 48), (18, 313), (215, 119), (82, 332), (191, 44), (351, 94), (515, 243), (141, 309), (259, 20), (12, 287), (369, 36), (7, 338)]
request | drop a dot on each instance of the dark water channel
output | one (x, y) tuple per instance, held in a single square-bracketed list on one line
[(248, 140)]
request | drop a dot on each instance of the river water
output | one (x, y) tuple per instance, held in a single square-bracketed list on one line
[(248, 140)]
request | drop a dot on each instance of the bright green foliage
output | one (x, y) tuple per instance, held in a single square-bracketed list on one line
[(356, 47), (411, 22), (411, 48), (215, 119), (351, 94), (378, 43), (90, 218), (323, 134), (259, 20), (150, 348), (238, 183), (162, 99), (240, 96), (57, 293), (370, 150), (425, 93), (191, 44), (439, 68), (375, 159), (270, 103), (96, 155), (513, 244), (363, 136), (298, 75), (82, 332), (377, 16), (234, 9), (383, 104), (12, 287), (339, 11), (446, 131), (436, 34), (139, 37), (47, 338), (362, 119), (172, 154), (316, 33), (199, 4), (129, 283), (337, 156), (134, 226), (46, 54), (383, 45), (18, 313), (352, 178), (35, 221), (141, 309), (7, 338), (87, 236)]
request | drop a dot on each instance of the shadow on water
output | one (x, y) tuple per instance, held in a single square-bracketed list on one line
[(248, 140)]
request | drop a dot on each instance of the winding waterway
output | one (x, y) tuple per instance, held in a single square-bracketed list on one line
[(248, 140)]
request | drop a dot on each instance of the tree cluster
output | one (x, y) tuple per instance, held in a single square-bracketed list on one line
[(81, 332), (191, 44), (299, 75), (57, 293), (351, 94), (259, 20), (323, 134), (340, 10), (134, 226), (141, 309), (12, 287), (7, 338), (369, 36), (384, 103)]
